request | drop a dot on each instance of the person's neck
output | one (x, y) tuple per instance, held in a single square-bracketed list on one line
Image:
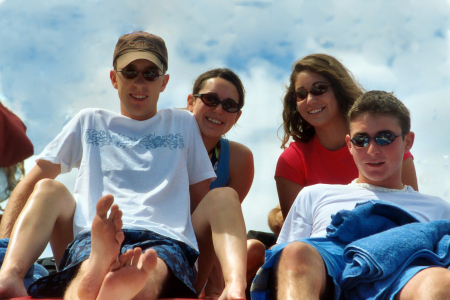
[(332, 137), (386, 184), (210, 144)]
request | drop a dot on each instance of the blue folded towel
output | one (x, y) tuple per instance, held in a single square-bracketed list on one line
[(387, 247), (366, 219), (34, 273), (383, 257)]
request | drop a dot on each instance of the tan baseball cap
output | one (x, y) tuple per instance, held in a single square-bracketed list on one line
[(140, 45)]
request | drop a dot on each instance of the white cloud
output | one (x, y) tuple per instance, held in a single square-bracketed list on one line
[(55, 59)]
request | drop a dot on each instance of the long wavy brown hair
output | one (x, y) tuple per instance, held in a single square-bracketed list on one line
[(346, 90)]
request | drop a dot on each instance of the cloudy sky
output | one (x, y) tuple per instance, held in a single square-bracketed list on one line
[(55, 58)]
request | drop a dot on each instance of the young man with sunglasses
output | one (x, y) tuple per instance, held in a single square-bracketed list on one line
[(152, 163), (305, 264)]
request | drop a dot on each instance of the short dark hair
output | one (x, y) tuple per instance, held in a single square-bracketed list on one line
[(380, 103), (223, 73)]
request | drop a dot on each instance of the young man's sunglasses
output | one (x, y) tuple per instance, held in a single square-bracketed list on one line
[(130, 73), (210, 100), (382, 139), (316, 90)]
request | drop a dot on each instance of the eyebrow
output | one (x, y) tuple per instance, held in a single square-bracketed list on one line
[(215, 94), (317, 82), (381, 131)]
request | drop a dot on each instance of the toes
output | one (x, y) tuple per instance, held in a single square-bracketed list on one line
[(149, 260), (123, 258), (120, 236), (137, 254), (103, 205)]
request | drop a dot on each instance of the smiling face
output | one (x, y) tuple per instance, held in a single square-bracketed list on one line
[(319, 111), (214, 121), (138, 96), (379, 165)]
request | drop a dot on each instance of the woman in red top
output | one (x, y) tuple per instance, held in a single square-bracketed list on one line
[(320, 93)]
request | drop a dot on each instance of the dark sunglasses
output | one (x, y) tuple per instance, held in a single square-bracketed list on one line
[(210, 100), (382, 139), (316, 90), (130, 73)]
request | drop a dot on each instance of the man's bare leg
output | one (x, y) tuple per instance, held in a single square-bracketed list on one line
[(47, 216), (301, 273), (431, 283), (106, 239), (219, 226), (130, 276)]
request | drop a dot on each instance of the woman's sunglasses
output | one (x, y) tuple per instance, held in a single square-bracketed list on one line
[(316, 90), (130, 73), (210, 100), (382, 139)]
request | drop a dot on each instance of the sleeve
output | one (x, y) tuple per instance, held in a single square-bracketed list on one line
[(15, 146), (298, 223), (408, 155), (66, 149), (290, 165), (198, 163)]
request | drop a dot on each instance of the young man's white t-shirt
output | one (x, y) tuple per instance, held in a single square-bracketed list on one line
[(146, 165), (314, 206)]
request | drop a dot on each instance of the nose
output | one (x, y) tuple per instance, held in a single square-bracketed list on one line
[(373, 147), (310, 98), (140, 80), (219, 109)]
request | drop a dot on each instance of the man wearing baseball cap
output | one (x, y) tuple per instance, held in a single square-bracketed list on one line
[(152, 164)]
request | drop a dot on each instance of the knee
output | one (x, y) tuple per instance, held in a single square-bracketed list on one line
[(255, 253), (431, 283), (300, 255), (49, 190), (436, 285), (47, 185), (221, 199)]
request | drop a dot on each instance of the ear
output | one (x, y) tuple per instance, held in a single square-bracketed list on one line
[(238, 115), (113, 76), (349, 144), (190, 102), (165, 81), (409, 141)]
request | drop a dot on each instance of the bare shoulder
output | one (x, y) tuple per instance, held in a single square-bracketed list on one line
[(241, 169), (240, 154)]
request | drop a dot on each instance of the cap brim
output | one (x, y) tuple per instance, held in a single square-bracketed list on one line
[(125, 59)]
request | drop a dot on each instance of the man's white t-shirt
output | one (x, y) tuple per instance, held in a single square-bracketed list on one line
[(314, 206), (146, 165)]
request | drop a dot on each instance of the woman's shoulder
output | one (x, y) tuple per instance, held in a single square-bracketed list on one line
[(240, 150), (240, 158)]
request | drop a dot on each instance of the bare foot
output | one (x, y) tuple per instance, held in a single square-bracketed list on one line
[(106, 237), (234, 290), (12, 287), (129, 278)]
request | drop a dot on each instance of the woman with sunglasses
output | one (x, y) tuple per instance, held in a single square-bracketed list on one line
[(216, 102), (320, 93)]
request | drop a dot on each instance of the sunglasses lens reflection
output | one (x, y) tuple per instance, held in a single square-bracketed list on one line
[(228, 105), (316, 90)]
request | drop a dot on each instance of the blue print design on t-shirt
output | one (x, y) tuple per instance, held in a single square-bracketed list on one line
[(149, 141)]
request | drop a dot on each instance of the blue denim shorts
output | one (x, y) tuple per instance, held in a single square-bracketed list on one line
[(178, 256)]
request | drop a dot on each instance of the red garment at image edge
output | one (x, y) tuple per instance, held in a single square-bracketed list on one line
[(14, 143)]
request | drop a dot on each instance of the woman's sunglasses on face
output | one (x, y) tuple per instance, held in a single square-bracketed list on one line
[(210, 100), (316, 90), (382, 139), (131, 73)]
